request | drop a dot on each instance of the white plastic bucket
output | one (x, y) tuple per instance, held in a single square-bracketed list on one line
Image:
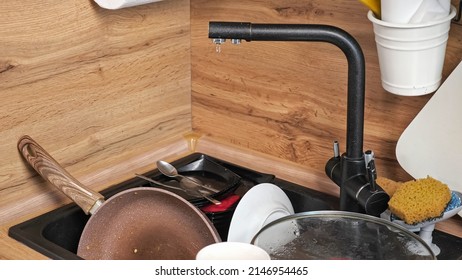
[(411, 56)]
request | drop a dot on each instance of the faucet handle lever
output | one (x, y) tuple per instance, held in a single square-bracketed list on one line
[(336, 149), (371, 170), (218, 42), (368, 157)]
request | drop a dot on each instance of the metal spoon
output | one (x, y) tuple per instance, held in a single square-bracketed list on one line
[(188, 182), (169, 170)]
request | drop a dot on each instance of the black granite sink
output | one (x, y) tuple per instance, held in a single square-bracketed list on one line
[(56, 233)]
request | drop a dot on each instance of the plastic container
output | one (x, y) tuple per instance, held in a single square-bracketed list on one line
[(411, 56)]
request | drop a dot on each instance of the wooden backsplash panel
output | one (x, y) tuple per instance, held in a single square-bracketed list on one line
[(95, 87), (288, 99)]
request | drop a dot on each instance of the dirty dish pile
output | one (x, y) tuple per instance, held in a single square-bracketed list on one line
[(265, 217), (138, 223)]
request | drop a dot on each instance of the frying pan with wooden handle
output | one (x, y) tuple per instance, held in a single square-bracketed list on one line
[(138, 223)]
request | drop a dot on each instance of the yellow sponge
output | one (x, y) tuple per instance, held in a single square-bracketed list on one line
[(419, 200)]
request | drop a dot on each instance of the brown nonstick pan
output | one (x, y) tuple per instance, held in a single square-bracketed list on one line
[(138, 223)]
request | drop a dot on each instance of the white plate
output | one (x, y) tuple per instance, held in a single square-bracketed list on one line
[(261, 205), (430, 145)]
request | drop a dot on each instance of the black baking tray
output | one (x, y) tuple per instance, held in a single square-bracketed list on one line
[(208, 171)]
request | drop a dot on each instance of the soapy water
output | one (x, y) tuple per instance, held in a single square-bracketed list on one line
[(320, 249), (340, 239)]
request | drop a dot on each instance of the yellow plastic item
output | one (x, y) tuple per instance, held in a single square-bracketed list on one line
[(373, 5)]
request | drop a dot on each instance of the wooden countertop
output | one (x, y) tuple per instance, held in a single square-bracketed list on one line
[(12, 249)]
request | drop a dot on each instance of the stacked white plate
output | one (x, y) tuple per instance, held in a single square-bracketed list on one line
[(261, 205)]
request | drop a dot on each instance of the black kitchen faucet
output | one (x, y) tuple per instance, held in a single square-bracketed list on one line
[(353, 171)]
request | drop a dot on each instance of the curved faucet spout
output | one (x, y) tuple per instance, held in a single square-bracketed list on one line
[(349, 170), (318, 33)]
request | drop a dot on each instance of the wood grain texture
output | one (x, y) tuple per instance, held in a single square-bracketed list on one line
[(109, 93), (96, 87), (265, 163), (289, 99)]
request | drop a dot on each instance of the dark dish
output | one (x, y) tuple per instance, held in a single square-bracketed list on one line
[(208, 172)]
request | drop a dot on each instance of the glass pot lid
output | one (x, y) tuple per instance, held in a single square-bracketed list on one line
[(327, 235)]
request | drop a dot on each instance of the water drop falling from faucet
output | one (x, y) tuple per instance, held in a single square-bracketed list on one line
[(218, 42)]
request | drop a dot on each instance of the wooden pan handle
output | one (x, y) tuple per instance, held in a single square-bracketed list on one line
[(55, 174)]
